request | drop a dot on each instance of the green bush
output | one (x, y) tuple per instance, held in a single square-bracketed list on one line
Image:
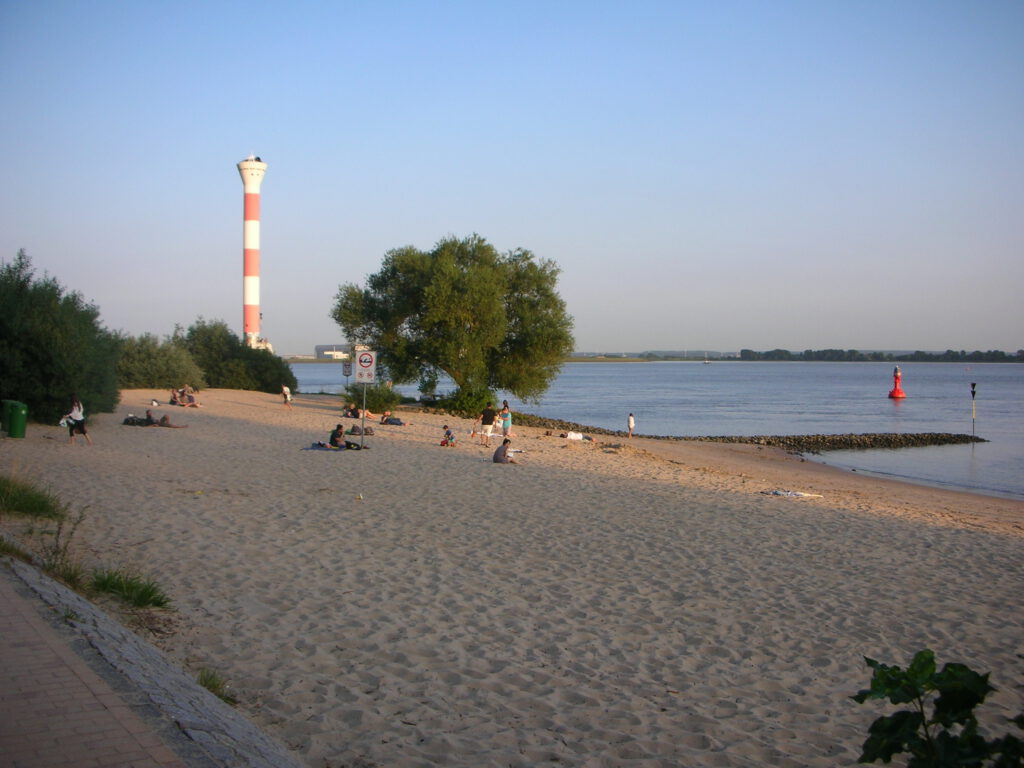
[(52, 344), (267, 370), (228, 364), (379, 398), (148, 363), (468, 403), (949, 735)]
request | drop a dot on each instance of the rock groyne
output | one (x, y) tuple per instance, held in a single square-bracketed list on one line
[(863, 442), (794, 443)]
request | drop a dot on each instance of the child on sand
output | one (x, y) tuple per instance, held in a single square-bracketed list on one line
[(449, 437)]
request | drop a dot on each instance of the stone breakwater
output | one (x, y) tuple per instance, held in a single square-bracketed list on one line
[(866, 441), (794, 443)]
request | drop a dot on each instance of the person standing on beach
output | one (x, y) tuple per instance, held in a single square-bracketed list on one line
[(506, 420), (486, 419), (76, 421), (631, 424)]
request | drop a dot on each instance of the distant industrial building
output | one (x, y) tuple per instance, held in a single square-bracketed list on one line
[(333, 351), (337, 351)]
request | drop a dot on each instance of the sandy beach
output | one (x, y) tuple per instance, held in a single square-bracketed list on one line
[(605, 603)]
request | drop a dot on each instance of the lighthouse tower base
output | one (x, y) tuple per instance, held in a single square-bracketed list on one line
[(257, 343)]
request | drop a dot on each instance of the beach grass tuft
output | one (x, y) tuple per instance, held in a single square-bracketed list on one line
[(130, 587), (215, 683), (23, 498), (71, 572), (9, 548)]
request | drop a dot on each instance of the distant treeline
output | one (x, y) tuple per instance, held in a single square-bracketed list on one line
[(855, 356)]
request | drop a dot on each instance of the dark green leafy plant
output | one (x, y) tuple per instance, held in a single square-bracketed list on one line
[(949, 735), (489, 320), (51, 345), (148, 363), (379, 398), (468, 403), (227, 363)]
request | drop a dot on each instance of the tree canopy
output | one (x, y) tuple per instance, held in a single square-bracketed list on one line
[(227, 363), (148, 363), (489, 320), (52, 345)]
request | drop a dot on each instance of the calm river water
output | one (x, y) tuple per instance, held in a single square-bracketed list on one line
[(764, 398)]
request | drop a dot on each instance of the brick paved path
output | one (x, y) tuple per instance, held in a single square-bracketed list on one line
[(55, 711)]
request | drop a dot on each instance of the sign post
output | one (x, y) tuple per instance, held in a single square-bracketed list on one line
[(346, 371), (973, 411), (366, 373)]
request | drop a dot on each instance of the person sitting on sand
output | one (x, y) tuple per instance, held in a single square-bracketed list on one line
[(503, 455), (337, 438), (190, 398)]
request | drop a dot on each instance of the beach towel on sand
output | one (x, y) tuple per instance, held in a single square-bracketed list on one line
[(795, 494), (349, 446)]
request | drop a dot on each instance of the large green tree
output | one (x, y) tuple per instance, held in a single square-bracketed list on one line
[(227, 363), (52, 345), (148, 363), (489, 320)]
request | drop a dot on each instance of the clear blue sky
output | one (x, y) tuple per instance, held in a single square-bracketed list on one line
[(707, 175)]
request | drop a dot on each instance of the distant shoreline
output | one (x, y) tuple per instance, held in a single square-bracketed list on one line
[(599, 359)]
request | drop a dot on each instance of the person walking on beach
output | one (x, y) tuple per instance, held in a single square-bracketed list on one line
[(286, 394), (631, 424), (76, 421), (486, 419)]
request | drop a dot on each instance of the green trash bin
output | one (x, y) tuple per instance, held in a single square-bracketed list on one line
[(18, 416), (5, 412)]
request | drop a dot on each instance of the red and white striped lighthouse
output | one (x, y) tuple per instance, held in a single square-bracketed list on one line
[(252, 170)]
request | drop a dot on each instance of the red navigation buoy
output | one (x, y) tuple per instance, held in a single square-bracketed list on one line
[(896, 391)]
